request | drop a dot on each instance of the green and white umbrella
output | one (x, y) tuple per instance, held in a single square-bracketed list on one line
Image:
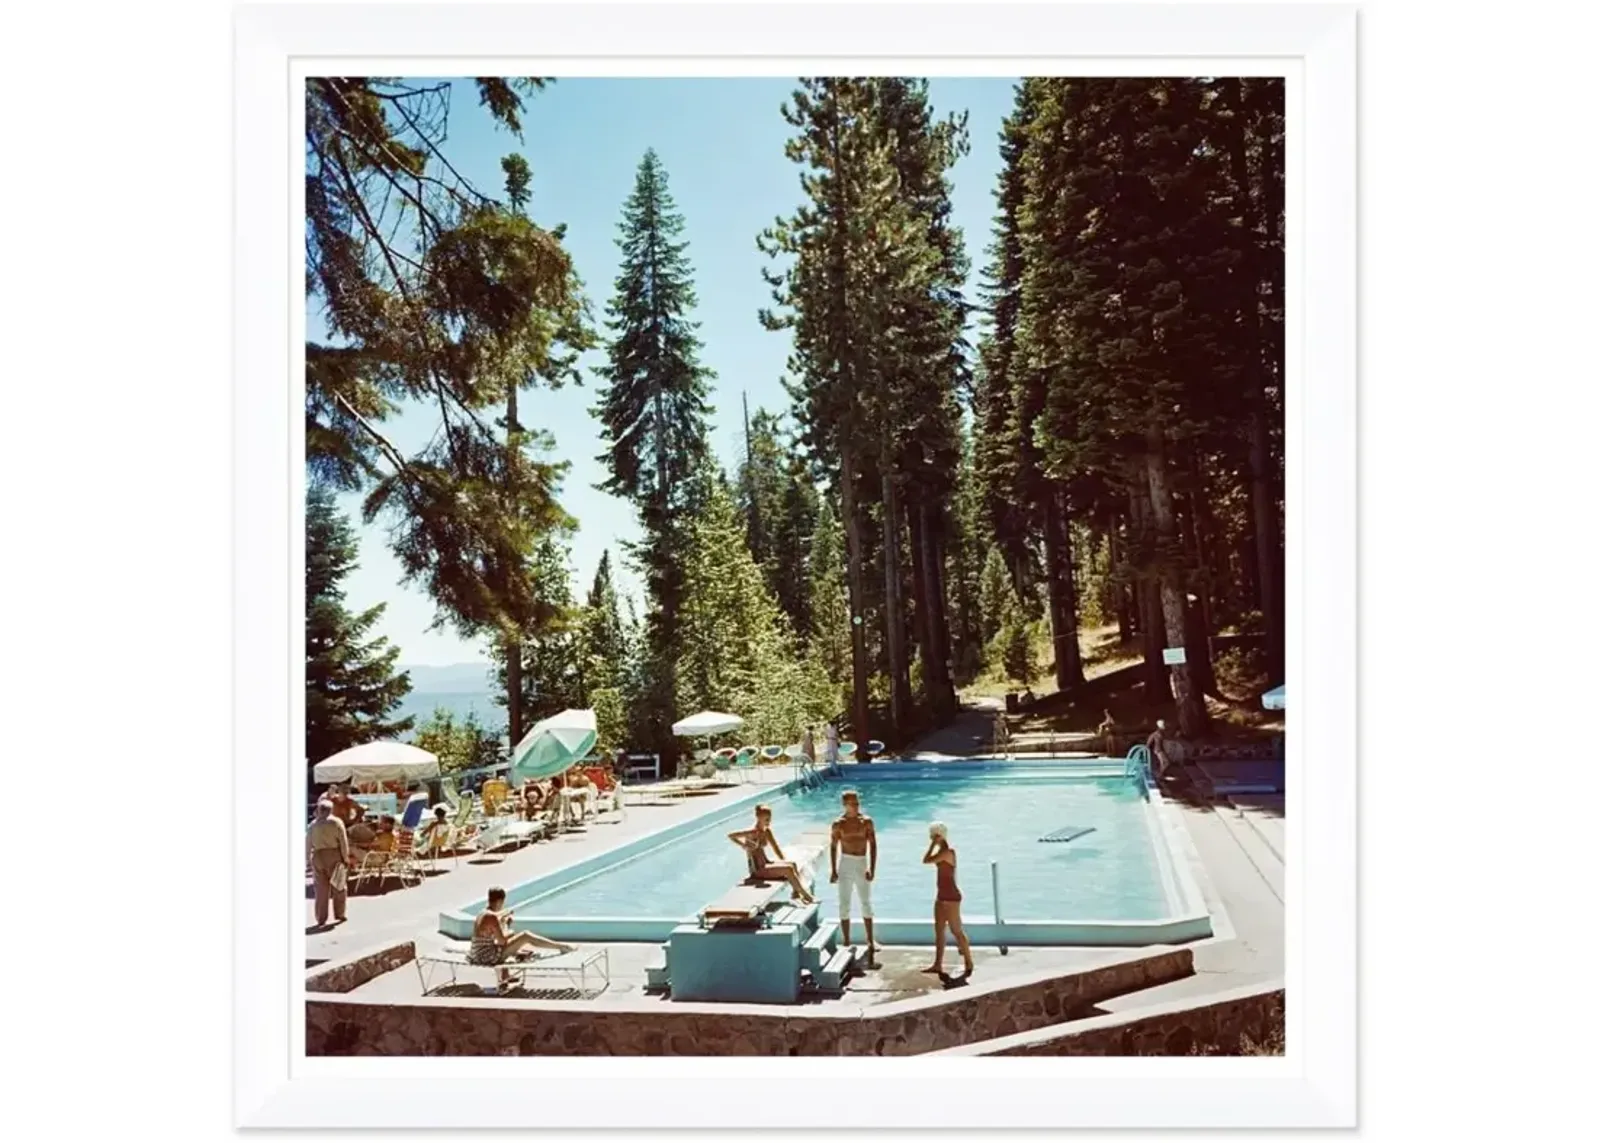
[(553, 746)]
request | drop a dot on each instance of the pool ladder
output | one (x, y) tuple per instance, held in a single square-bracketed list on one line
[(1137, 768), (806, 773)]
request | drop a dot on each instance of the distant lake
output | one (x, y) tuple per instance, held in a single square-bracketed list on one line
[(461, 690)]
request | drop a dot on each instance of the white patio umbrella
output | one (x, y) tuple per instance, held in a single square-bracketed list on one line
[(1273, 699), (706, 723), (553, 746), (377, 762)]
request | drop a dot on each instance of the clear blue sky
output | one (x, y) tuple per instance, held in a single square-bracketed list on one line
[(721, 141)]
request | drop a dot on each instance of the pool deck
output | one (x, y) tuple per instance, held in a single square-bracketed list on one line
[(898, 975), (404, 914), (1236, 850)]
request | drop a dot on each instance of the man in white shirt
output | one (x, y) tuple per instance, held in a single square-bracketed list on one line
[(328, 850)]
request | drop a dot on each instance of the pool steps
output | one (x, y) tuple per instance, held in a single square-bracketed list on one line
[(815, 951), (832, 977), (824, 964)]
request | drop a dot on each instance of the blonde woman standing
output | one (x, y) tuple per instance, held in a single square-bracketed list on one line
[(946, 900)]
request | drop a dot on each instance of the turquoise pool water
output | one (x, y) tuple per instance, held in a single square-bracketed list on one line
[(1111, 874)]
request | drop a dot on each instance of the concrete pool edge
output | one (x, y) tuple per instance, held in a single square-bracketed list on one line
[(458, 922), (1189, 919)]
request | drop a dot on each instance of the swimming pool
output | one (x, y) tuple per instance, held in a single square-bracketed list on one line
[(1110, 874), (1119, 884)]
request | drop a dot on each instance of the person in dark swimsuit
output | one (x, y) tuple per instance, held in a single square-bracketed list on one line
[(754, 842), (494, 941), (946, 900)]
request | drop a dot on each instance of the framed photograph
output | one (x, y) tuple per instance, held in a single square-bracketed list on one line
[(773, 541)]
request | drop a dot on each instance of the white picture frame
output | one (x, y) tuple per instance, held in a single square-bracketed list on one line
[(1315, 1083)]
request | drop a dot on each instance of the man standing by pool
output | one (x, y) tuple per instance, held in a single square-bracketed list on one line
[(853, 859), (328, 851)]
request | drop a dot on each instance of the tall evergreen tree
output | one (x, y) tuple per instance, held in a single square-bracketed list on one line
[(653, 405), (606, 658), (605, 645), (351, 684), (871, 297), (739, 653), (551, 674), (434, 293), (761, 482), (827, 600)]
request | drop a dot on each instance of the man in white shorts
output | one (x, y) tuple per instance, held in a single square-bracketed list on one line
[(853, 859)]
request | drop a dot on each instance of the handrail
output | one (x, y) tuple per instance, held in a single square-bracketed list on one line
[(1137, 768)]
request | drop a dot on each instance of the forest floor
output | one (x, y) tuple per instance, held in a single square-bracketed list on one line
[(1112, 684)]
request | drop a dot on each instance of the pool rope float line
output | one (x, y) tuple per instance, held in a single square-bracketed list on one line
[(1067, 833)]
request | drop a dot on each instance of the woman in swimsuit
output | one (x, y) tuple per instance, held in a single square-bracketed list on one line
[(946, 900), (755, 841), (493, 941)]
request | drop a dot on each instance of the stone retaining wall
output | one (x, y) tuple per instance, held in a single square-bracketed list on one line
[(346, 975), (1215, 1027), (472, 1027)]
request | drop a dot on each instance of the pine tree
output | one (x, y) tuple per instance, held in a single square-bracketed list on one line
[(653, 406), (552, 664), (818, 297), (739, 654), (965, 561), (1016, 644), (761, 484), (997, 447), (871, 297), (432, 292), (351, 683), (996, 594), (605, 648), (792, 540), (827, 599)]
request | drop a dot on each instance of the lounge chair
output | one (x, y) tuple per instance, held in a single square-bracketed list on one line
[(607, 792), (402, 860), (495, 791), (586, 972), (374, 863), (744, 760)]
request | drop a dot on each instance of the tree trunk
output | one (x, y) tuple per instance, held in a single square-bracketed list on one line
[(1257, 197), (936, 646), (513, 643), (1063, 592), (861, 726), (941, 626), (1147, 596), (1191, 707), (920, 632), (1263, 517), (1055, 606), (1197, 611), (1119, 583), (893, 606)]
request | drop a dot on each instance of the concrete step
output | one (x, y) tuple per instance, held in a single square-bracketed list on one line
[(832, 975), (655, 975), (818, 947), (805, 917)]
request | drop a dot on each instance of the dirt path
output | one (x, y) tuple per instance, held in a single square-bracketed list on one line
[(972, 731)]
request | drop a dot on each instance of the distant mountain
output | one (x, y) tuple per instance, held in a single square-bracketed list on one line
[(458, 678), (460, 688)]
